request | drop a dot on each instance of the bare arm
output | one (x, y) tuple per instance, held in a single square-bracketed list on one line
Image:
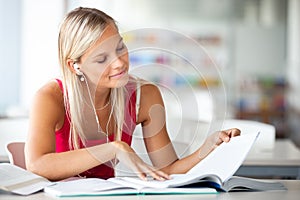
[(47, 116), (157, 141)]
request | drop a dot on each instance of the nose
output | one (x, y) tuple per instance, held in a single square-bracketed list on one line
[(117, 62)]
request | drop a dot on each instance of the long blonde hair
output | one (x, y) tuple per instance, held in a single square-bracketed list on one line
[(80, 29)]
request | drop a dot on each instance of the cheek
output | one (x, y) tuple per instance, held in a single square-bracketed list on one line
[(96, 75), (104, 73), (125, 58)]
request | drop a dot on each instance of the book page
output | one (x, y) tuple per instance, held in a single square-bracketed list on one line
[(133, 184), (175, 181), (19, 180), (110, 187), (225, 160), (178, 191), (243, 183), (88, 186)]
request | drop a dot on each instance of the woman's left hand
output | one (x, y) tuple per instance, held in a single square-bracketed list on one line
[(215, 139)]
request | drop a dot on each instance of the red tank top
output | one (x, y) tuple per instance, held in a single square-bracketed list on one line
[(105, 170)]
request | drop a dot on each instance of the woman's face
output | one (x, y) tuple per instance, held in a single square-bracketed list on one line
[(106, 63)]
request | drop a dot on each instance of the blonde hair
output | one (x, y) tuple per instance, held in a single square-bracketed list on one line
[(80, 29)]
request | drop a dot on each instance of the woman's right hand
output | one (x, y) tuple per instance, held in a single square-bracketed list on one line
[(126, 155)]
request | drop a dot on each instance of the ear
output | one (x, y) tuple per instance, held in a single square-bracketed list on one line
[(70, 65)]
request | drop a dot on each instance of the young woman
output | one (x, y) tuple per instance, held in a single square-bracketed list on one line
[(82, 124)]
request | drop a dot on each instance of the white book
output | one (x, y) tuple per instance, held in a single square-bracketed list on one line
[(100, 187)]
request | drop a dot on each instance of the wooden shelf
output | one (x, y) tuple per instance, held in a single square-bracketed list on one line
[(264, 115), (274, 117)]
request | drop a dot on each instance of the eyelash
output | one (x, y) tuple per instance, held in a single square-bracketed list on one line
[(121, 48), (118, 50), (102, 61)]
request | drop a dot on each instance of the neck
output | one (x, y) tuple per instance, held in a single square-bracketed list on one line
[(102, 98)]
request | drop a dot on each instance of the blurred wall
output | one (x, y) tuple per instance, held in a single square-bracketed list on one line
[(10, 53), (257, 38)]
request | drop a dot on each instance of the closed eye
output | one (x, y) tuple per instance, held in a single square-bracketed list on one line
[(121, 47), (102, 60)]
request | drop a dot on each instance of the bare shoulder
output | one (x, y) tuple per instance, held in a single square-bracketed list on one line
[(49, 98), (50, 91), (150, 97), (150, 91)]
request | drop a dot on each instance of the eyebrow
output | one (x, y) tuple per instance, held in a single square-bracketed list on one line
[(101, 54)]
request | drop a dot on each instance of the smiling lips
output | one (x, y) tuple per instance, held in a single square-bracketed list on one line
[(118, 75)]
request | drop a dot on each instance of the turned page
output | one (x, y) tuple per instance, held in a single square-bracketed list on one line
[(225, 160)]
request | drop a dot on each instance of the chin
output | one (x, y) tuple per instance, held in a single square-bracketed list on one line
[(121, 82)]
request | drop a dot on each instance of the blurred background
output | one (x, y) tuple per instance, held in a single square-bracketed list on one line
[(255, 45)]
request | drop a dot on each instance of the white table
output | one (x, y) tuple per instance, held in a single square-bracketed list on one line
[(282, 161), (292, 193)]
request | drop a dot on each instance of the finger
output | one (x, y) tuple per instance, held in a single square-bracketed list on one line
[(158, 176), (143, 169), (142, 176), (233, 132), (163, 174), (151, 171), (223, 137)]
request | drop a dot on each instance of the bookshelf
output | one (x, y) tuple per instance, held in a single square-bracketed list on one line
[(264, 100)]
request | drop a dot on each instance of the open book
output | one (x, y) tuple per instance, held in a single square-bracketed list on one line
[(215, 171), (212, 174)]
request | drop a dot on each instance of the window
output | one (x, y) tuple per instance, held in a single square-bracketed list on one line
[(28, 50)]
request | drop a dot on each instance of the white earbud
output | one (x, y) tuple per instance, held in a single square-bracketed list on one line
[(78, 72), (76, 68)]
